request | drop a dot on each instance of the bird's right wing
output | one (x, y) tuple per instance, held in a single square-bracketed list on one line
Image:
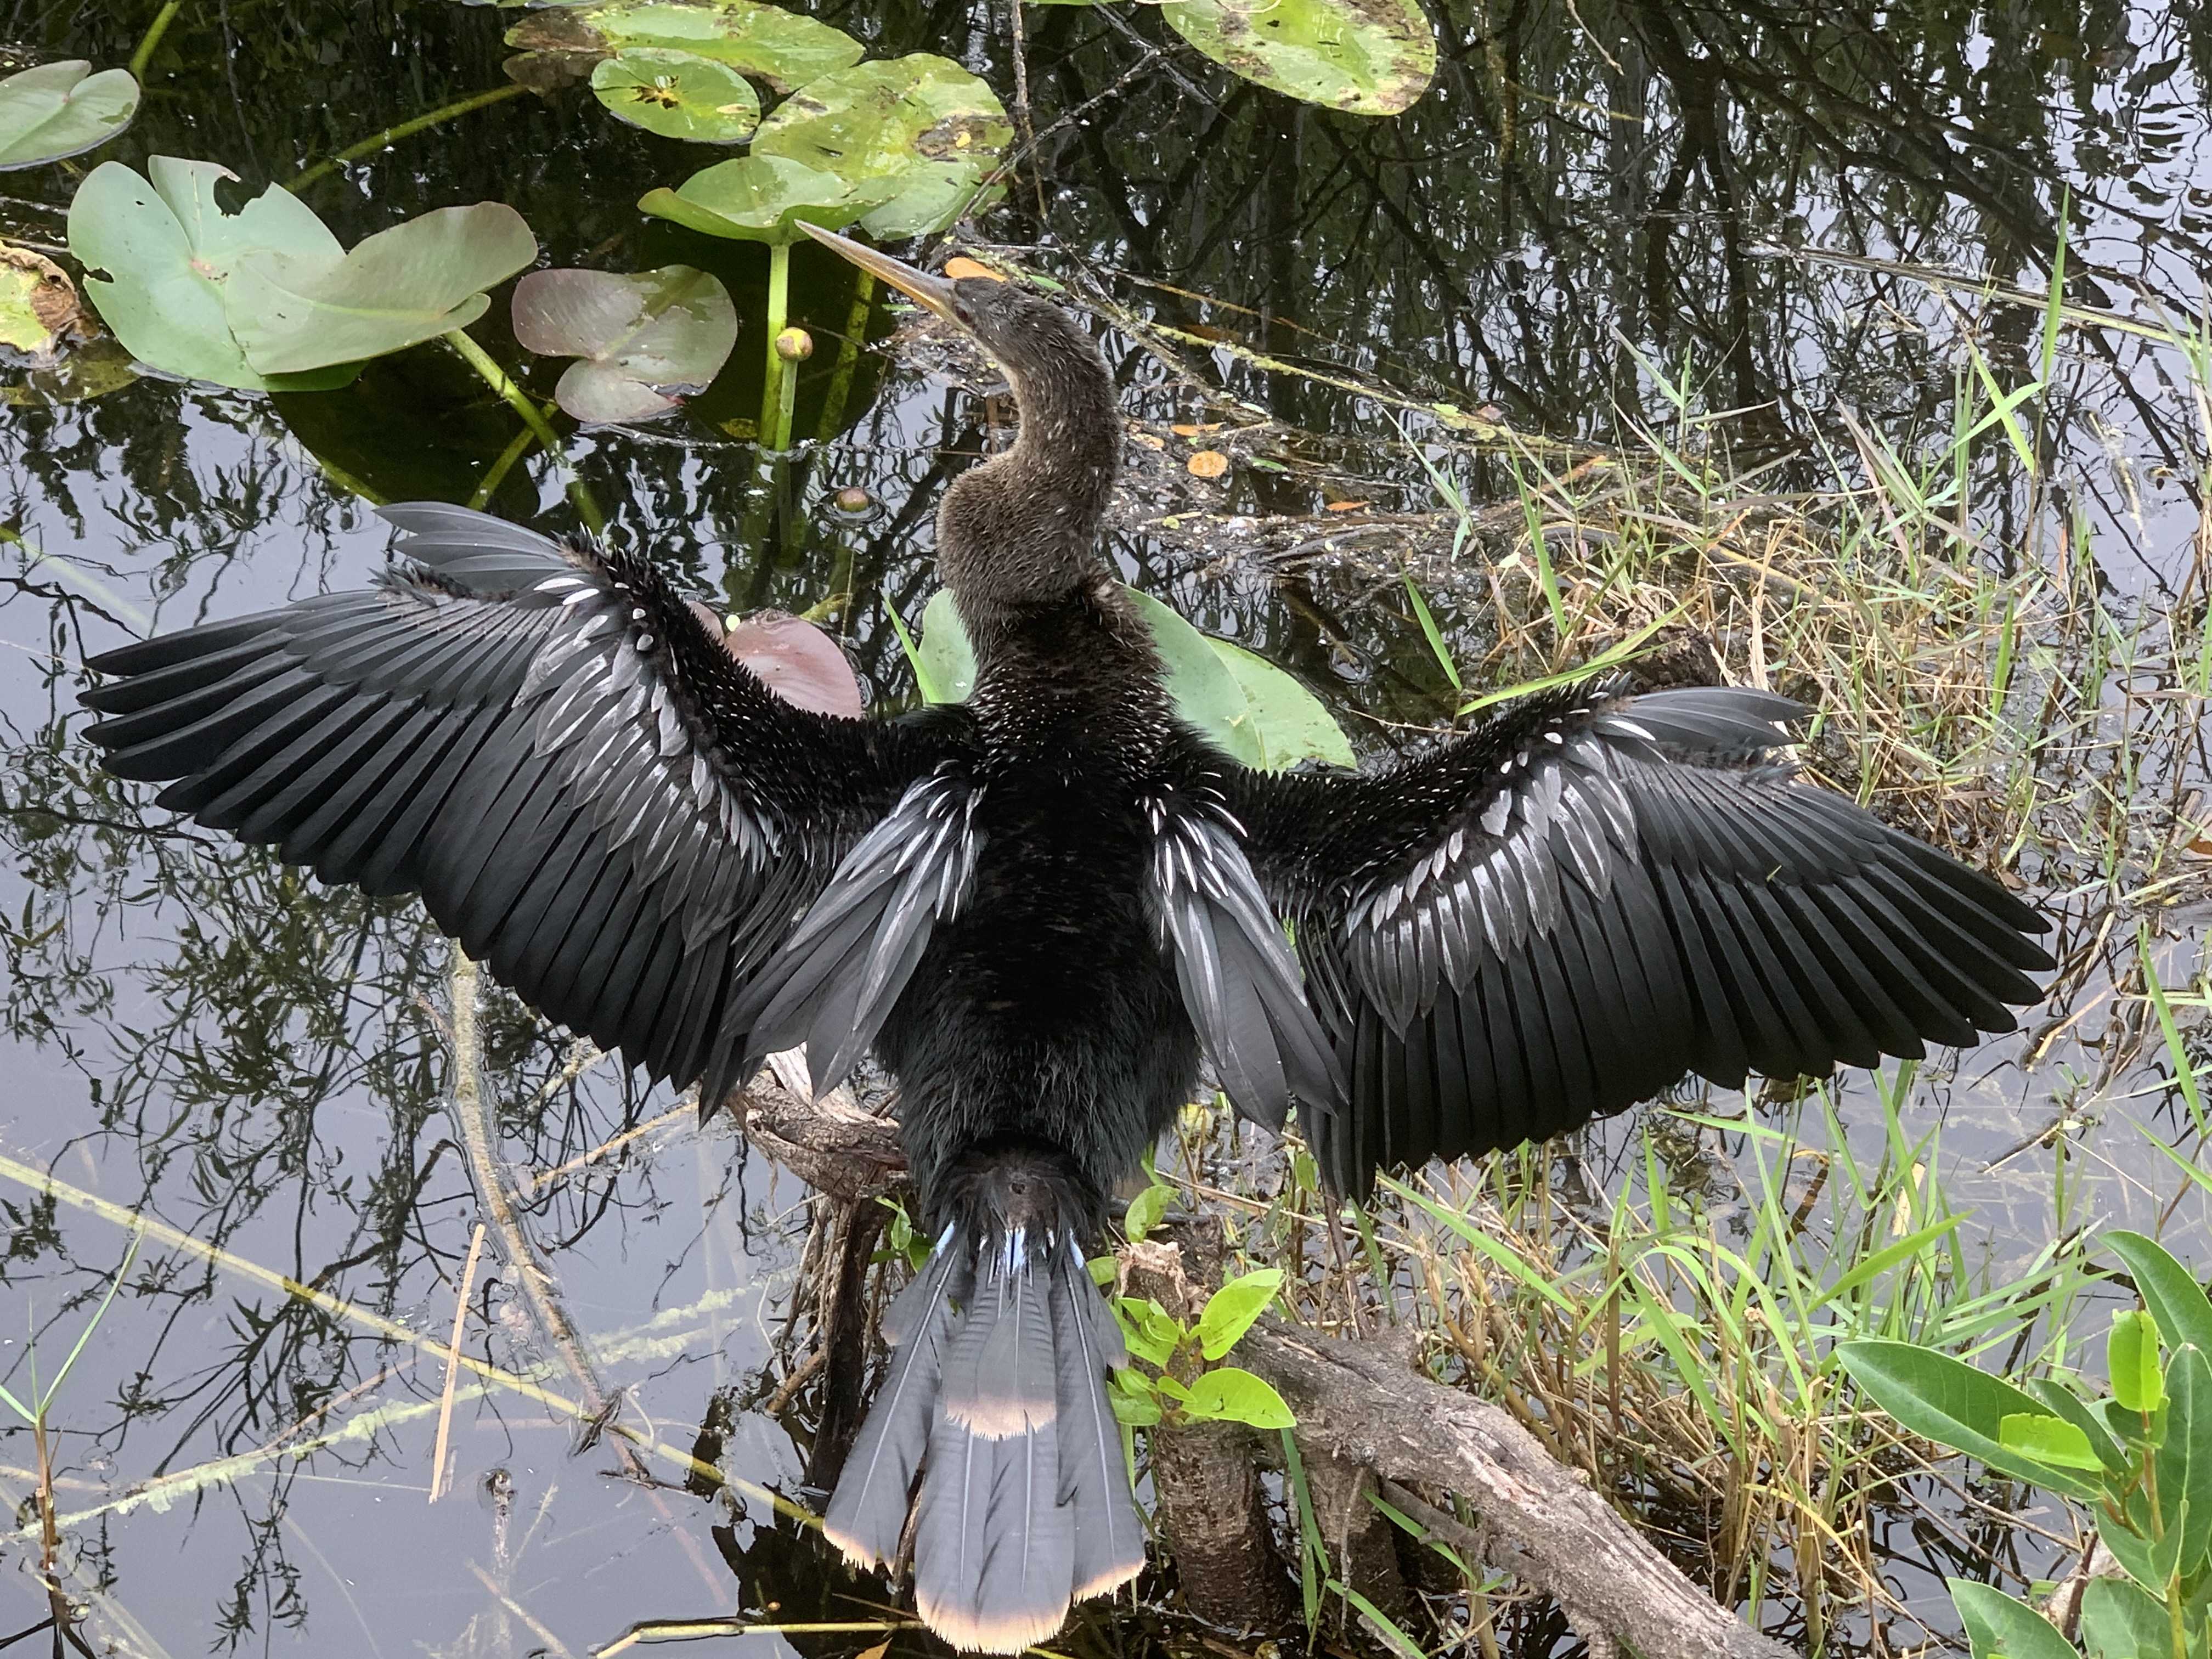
[(586, 788), (1564, 914)]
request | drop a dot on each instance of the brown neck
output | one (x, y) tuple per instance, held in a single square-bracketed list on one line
[(1021, 532)]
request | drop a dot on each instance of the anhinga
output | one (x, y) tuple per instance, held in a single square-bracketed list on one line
[(1043, 907)]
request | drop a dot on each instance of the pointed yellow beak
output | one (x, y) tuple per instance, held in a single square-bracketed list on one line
[(933, 293)]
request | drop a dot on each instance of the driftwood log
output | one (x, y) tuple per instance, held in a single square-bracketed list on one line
[(1361, 1407)]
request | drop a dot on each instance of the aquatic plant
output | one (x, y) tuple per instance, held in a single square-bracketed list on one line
[(51, 112)]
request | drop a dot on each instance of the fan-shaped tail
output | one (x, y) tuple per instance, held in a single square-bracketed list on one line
[(998, 1395)]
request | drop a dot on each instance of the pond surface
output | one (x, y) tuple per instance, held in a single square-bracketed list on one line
[(1800, 215)]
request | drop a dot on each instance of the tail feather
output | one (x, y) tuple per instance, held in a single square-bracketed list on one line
[(1008, 1389), (868, 1511), (999, 1393), (1110, 1540)]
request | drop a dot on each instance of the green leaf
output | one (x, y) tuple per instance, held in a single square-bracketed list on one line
[(295, 312), (1135, 1400), (2169, 1289), (1373, 58), (947, 656), (1996, 1625), (678, 94), (1289, 722), (1230, 1393), (642, 338), (159, 252), (1153, 1334), (2120, 1619), (1231, 1310), (1146, 1210), (2184, 1458), (2048, 1440), (2131, 1361), (783, 48), (2063, 1402), (62, 109), (761, 198), (919, 125), (1205, 692), (2132, 1550), (1949, 1402)]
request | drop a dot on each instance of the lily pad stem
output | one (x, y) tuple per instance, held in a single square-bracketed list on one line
[(776, 405), (496, 474), (154, 31), (532, 417), (393, 135)]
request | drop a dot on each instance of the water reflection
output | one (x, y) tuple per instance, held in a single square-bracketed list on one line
[(1595, 199)]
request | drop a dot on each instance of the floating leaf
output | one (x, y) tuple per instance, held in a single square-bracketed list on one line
[(296, 311), (1208, 464), (920, 124), (678, 94), (38, 302), (92, 370), (761, 198), (641, 339), (159, 252), (782, 47), (797, 661), (1364, 57), (58, 109), (1290, 722)]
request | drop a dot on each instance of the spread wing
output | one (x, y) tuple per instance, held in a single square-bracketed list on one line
[(584, 785), (1566, 912)]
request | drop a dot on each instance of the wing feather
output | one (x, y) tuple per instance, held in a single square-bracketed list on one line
[(1564, 912)]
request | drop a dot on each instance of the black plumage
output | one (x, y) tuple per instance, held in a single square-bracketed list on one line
[(1038, 908)]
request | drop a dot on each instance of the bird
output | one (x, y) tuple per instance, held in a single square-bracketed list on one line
[(1045, 909)]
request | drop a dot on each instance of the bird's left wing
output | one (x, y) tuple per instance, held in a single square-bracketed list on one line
[(1566, 912), (546, 744)]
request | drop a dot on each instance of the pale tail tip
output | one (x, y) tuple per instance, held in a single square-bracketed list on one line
[(1003, 1631), (1108, 1580), (1002, 1419), (852, 1550)]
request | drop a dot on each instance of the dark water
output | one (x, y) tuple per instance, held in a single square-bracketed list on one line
[(193, 1033)]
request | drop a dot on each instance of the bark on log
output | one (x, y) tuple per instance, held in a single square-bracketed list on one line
[(1539, 1522)]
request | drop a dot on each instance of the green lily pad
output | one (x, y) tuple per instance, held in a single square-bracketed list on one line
[(782, 47), (159, 252), (296, 311), (678, 94), (640, 339), (762, 198), (921, 123), (58, 109), (1256, 714), (1365, 56)]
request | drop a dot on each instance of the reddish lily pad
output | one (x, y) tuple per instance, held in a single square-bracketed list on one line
[(642, 339)]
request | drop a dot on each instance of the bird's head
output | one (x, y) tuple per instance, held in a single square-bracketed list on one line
[(1023, 530)]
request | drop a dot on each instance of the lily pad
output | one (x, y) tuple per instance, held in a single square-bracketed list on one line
[(296, 311), (641, 339), (797, 661), (920, 124), (1249, 708), (678, 94), (761, 198), (58, 109), (1364, 57), (159, 252), (37, 303), (782, 47)]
